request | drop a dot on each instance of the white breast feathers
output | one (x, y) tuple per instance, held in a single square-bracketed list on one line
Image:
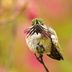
[(32, 41)]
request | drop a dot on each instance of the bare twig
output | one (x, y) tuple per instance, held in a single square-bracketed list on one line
[(40, 59)]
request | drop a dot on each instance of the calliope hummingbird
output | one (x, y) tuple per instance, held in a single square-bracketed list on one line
[(42, 39)]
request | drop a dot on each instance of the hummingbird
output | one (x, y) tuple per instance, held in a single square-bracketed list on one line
[(42, 39)]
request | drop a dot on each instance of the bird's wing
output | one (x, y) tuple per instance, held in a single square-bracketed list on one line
[(55, 52), (53, 35)]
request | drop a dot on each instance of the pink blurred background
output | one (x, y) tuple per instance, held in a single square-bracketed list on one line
[(15, 16)]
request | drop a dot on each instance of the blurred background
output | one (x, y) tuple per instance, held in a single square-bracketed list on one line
[(15, 16)]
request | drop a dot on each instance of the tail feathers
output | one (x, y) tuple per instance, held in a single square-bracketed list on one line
[(55, 54)]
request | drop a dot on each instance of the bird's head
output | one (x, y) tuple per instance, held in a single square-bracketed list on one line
[(37, 21)]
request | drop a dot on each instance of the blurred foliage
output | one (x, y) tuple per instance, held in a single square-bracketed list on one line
[(10, 18)]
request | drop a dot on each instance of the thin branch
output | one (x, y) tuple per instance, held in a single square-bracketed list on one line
[(40, 59)]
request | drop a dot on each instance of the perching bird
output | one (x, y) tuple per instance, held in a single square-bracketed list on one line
[(43, 40)]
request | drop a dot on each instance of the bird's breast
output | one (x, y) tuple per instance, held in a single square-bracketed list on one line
[(37, 41), (32, 41)]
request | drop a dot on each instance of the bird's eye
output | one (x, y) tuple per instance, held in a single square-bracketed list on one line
[(42, 24)]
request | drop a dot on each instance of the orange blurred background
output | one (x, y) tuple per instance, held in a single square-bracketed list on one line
[(15, 16)]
